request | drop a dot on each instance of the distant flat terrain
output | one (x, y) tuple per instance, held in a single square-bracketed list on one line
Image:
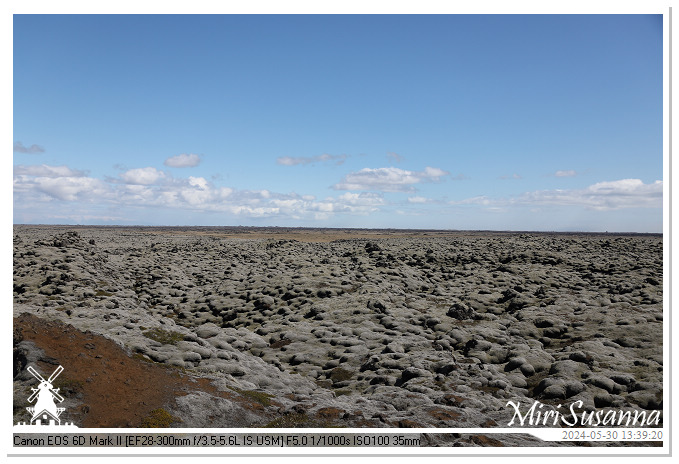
[(308, 234)]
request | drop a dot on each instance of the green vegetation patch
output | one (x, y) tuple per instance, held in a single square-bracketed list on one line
[(159, 419), (288, 421), (260, 397), (69, 386), (141, 357), (164, 336), (339, 374)]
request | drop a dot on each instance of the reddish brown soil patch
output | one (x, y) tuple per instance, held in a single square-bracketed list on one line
[(453, 400), (443, 414), (330, 413), (117, 390), (280, 343)]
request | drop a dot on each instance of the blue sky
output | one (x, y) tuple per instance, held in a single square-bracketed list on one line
[(505, 122)]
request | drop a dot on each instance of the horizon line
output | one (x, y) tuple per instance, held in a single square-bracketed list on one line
[(394, 229)]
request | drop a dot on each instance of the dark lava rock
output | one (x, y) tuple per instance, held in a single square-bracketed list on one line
[(507, 295), (446, 368), (381, 380), (470, 345), (67, 239), (20, 360), (461, 311), (555, 332), (573, 388), (411, 373), (556, 391), (514, 299), (377, 305), (371, 364), (603, 400), (579, 356), (543, 323), (370, 247)]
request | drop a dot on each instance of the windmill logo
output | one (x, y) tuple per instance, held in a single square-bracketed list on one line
[(45, 411)]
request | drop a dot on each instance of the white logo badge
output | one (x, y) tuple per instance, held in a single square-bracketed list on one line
[(45, 411)]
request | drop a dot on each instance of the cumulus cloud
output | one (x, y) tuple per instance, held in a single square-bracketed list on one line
[(71, 188), (418, 200), (182, 161), (142, 176), (296, 206), (389, 179), (199, 195), (33, 149), (361, 200), (610, 195), (44, 170), (294, 161), (478, 200), (39, 183), (569, 173), (150, 188), (624, 193), (198, 182)]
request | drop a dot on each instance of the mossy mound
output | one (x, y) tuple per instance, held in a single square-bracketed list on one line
[(164, 336), (159, 419)]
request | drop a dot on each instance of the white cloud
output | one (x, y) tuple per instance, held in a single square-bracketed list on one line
[(142, 176), (81, 218), (569, 173), (478, 200), (361, 200), (136, 194), (196, 197), (44, 170), (625, 193), (42, 182), (296, 206), (224, 192), (611, 195), (198, 182), (36, 187), (198, 194), (433, 174), (513, 176), (389, 179), (294, 161), (70, 188), (33, 149), (182, 161), (418, 200)]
